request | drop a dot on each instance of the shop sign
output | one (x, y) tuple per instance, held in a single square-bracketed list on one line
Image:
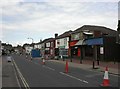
[(101, 50)]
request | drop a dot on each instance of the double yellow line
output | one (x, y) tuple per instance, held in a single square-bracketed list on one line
[(21, 76)]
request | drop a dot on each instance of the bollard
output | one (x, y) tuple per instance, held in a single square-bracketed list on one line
[(66, 67)]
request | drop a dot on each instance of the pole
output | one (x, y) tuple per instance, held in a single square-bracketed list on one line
[(81, 56), (31, 39), (70, 55), (94, 56)]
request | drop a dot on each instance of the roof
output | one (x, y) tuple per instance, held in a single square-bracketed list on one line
[(47, 40), (103, 29), (65, 34)]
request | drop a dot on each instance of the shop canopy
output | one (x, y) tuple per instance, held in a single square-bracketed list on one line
[(80, 42), (94, 41)]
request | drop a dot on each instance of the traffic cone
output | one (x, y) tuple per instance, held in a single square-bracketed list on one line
[(43, 62), (106, 82), (66, 67)]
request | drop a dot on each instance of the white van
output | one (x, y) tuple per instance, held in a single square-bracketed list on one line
[(9, 59)]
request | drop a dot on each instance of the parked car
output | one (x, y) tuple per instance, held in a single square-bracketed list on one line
[(9, 59)]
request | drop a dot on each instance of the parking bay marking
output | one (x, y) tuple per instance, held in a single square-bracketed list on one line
[(84, 81)]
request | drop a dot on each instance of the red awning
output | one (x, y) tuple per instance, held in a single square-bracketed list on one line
[(73, 43)]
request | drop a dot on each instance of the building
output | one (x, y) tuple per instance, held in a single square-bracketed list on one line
[(44, 47), (118, 40), (118, 31), (28, 48), (0, 48), (50, 48), (91, 41), (62, 44)]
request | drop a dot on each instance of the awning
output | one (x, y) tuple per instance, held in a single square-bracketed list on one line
[(80, 42), (73, 43), (94, 41)]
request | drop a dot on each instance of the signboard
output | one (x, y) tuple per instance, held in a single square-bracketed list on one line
[(101, 50), (77, 36)]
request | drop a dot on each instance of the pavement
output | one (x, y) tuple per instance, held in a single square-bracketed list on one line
[(87, 65), (8, 74)]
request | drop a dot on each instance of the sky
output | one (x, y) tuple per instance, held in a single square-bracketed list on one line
[(41, 19)]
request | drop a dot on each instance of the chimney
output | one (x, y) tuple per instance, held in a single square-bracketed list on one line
[(56, 35), (40, 40)]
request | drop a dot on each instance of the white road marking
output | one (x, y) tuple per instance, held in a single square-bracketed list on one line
[(49, 68), (84, 81), (16, 76), (21, 76), (45, 66)]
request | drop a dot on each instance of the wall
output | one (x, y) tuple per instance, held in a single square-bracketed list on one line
[(63, 42), (109, 48)]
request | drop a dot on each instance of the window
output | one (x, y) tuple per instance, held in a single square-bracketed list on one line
[(51, 44), (65, 41)]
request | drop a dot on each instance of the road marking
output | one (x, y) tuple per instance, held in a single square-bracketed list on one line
[(84, 81), (49, 68), (45, 66), (16, 76), (21, 76)]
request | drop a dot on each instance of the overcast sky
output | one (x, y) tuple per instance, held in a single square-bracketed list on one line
[(40, 19)]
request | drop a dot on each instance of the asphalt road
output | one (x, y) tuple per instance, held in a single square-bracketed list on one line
[(52, 74)]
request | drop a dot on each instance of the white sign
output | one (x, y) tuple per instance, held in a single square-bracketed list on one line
[(101, 50)]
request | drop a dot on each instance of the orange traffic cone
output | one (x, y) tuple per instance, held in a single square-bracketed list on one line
[(66, 67), (106, 82), (43, 62)]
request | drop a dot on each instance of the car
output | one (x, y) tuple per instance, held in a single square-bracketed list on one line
[(9, 59)]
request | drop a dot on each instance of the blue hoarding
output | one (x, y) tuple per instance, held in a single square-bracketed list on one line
[(35, 53)]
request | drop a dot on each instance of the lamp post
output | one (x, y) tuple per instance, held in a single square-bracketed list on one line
[(31, 39), (32, 44)]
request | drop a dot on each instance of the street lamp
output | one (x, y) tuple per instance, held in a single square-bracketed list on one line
[(31, 39)]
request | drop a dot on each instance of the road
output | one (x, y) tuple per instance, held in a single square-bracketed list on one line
[(34, 74)]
